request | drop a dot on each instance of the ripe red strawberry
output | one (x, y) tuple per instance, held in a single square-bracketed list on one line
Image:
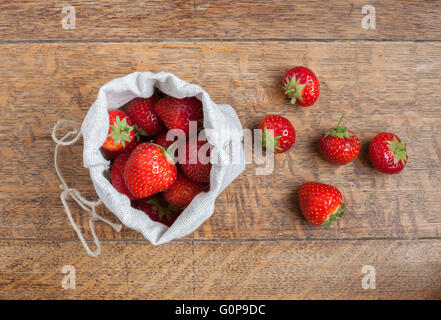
[(321, 204), (121, 131), (284, 134), (117, 175), (182, 191), (197, 166), (149, 170), (301, 86), (141, 110), (161, 140), (158, 210), (387, 153), (128, 149), (339, 145), (176, 113)]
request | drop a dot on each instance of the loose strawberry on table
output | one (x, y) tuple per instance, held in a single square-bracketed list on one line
[(388, 153), (177, 113), (117, 175), (141, 111), (182, 192), (158, 210), (199, 170), (284, 134), (121, 131), (320, 203), (149, 170), (301, 86), (339, 145)]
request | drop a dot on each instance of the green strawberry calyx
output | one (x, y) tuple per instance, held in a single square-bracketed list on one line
[(139, 132), (160, 208), (270, 141), (120, 131), (399, 150), (293, 89), (167, 152), (335, 216), (341, 133)]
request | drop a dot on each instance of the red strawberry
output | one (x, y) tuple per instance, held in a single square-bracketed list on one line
[(301, 86), (321, 204), (387, 153), (284, 134), (149, 170), (177, 113), (197, 167), (117, 175), (339, 145), (161, 140), (128, 149), (182, 191), (158, 210), (141, 110), (121, 131)]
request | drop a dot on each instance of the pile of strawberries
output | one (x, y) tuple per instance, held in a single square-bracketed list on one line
[(143, 167), (145, 171), (322, 204)]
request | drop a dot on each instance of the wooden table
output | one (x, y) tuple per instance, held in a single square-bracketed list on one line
[(257, 244)]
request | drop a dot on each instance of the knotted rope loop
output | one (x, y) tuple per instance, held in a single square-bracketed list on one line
[(89, 206)]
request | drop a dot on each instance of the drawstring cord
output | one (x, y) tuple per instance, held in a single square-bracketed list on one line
[(89, 206)]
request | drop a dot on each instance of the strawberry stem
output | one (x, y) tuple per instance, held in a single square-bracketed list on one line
[(339, 132)]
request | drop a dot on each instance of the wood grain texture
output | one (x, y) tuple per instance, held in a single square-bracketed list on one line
[(118, 20), (227, 270), (375, 86)]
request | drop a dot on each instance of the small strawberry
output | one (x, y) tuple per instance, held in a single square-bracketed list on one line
[(149, 170), (339, 145), (177, 113), (121, 131), (197, 166), (158, 210), (321, 204), (117, 175), (301, 86), (387, 153), (182, 191), (111, 155), (141, 110), (283, 136)]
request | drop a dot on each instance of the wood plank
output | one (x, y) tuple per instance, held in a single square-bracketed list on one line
[(317, 270), (376, 86), (227, 270), (33, 270), (119, 20)]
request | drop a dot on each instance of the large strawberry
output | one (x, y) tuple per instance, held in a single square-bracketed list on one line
[(117, 175), (196, 164), (149, 170), (141, 110), (301, 86), (388, 153), (177, 113), (283, 136), (182, 191), (339, 145), (121, 131), (158, 210), (321, 204)]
